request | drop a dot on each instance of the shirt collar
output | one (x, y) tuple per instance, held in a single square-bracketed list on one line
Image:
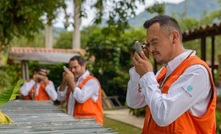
[(82, 77), (178, 60)]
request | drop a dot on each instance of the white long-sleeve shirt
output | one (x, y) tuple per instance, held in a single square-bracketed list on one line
[(166, 108), (49, 88), (89, 90)]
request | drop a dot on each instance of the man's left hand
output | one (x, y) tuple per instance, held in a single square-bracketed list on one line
[(142, 64)]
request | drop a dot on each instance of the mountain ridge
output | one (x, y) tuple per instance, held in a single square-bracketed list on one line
[(194, 9)]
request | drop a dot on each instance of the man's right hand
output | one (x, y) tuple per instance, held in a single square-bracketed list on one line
[(142, 64), (35, 77)]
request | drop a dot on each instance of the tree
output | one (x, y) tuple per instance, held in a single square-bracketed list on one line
[(156, 8), (112, 57), (64, 40), (24, 18), (116, 15)]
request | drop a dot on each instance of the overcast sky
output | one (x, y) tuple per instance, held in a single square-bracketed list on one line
[(88, 20)]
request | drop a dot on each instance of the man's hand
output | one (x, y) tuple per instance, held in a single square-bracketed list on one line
[(68, 79), (68, 75), (45, 80), (146, 52), (35, 77), (141, 63)]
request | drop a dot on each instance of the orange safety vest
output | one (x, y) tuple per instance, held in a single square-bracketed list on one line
[(41, 96), (88, 109), (186, 123)]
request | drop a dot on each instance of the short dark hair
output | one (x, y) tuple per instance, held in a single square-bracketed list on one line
[(80, 59), (164, 21), (39, 69)]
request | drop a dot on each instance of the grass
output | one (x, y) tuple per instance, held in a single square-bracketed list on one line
[(120, 127)]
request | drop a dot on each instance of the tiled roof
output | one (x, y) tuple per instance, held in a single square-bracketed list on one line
[(43, 55), (202, 31), (45, 50)]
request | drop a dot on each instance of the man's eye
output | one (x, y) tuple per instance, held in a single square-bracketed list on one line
[(154, 43)]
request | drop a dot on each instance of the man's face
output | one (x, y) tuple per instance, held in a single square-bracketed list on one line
[(76, 68), (160, 45), (41, 74)]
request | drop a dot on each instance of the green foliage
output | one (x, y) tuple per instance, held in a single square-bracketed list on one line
[(117, 13), (112, 58), (9, 75), (38, 40), (10, 93), (218, 122), (64, 41), (120, 127), (4, 79), (156, 8), (138, 112), (6, 96), (188, 23), (25, 17)]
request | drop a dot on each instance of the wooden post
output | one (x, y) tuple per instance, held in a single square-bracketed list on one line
[(25, 70), (212, 55), (106, 101), (219, 69)]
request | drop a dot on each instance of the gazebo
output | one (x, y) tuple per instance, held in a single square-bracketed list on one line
[(23, 55)]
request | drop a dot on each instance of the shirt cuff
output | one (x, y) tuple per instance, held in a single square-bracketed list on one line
[(62, 93), (32, 82), (134, 76)]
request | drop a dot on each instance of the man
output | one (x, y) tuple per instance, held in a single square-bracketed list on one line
[(81, 91), (181, 98), (39, 88)]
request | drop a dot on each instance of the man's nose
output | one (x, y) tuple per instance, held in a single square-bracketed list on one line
[(72, 70), (151, 48)]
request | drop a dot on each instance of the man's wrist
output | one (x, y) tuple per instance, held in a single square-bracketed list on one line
[(62, 86)]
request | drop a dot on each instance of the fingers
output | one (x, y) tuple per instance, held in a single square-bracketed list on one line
[(35, 77), (136, 59), (143, 55), (140, 57), (43, 72), (66, 70), (141, 62), (68, 74), (146, 52), (45, 80)]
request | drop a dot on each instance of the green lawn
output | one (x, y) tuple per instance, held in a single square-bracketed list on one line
[(120, 127)]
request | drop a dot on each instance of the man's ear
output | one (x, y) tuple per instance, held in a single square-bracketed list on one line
[(84, 65), (174, 36)]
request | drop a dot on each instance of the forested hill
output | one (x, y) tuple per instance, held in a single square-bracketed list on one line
[(194, 9)]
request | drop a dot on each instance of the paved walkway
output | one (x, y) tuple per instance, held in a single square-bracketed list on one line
[(124, 116)]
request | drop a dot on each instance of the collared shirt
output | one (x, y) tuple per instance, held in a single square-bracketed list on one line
[(89, 90), (49, 88), (166, 108)]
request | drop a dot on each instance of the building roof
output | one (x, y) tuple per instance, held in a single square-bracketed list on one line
[(202, 31), (43, 55)]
